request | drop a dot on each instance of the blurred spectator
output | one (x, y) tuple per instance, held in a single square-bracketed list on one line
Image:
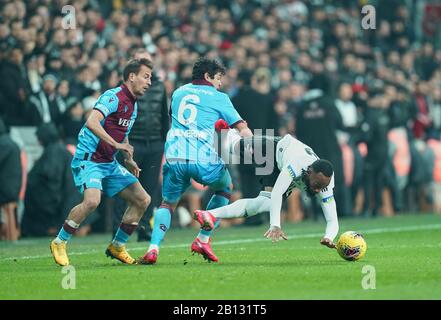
[(254, 103), (49, 106), (375, 128), (44, 211), (426, 63), (84, 84), (421, 111), (435, 113), (317, 122), (10, 175), (72, 121), (14, 89), (347, 138)]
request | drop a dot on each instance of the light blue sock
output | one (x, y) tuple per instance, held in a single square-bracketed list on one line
[(120, 237), (161, 224), (205, 235), (123, 233), (63, 235), (67, 230)]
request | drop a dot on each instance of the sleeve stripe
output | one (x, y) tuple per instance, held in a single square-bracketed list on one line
[(99, 111), (327, 199), (237, 122), (291, 171)]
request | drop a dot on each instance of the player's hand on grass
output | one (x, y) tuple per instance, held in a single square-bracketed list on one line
[(327, 242), (132, 167), (127, 148), (275, 233)]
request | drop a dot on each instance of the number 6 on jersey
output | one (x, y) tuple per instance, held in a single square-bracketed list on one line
[(183, 106)]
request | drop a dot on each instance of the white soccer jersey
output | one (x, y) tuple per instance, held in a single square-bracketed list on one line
[(296, 156), (292, 158)]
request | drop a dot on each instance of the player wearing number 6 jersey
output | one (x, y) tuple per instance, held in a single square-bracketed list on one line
[(295, 166), (189, 150)]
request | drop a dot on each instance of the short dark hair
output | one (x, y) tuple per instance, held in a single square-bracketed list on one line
[(323, 166), (134, 65), (203, 65)]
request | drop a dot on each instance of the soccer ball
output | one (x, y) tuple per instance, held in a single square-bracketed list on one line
[(351, 246)]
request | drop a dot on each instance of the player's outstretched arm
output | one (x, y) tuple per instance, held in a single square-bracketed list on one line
[(329, 209), (93, 123), (282, 184)]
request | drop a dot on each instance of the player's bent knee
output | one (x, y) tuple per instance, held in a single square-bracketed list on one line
[(91, 203)]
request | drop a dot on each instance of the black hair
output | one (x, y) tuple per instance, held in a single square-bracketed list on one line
[(47, 133), (323, 166), (203, 65), (134, 65), (82, 68)]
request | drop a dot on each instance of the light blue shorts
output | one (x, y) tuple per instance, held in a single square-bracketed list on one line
[(177, 177), (110, 177)]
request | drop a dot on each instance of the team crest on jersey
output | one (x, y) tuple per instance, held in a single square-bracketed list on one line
[(126, 108)]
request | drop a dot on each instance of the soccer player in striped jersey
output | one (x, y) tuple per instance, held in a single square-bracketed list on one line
[(95, 168)]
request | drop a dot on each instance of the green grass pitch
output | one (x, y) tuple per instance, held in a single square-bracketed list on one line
[(405, 252)]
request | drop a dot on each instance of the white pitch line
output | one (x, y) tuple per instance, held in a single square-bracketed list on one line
[(239, 241)]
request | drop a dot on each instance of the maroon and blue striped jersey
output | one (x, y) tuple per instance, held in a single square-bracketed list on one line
[(119, 109)]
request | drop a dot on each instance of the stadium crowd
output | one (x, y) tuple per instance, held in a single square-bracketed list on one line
[(369, 100)]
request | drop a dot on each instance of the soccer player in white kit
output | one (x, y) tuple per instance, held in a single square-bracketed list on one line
[(295, 166)]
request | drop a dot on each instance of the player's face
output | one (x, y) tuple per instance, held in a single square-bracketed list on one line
[(315, 182), (142, 81), (216, 81)]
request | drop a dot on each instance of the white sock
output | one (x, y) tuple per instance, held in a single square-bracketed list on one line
[(203, 238), (153, 246), (244, 207), (117, 244), (241, 208)]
